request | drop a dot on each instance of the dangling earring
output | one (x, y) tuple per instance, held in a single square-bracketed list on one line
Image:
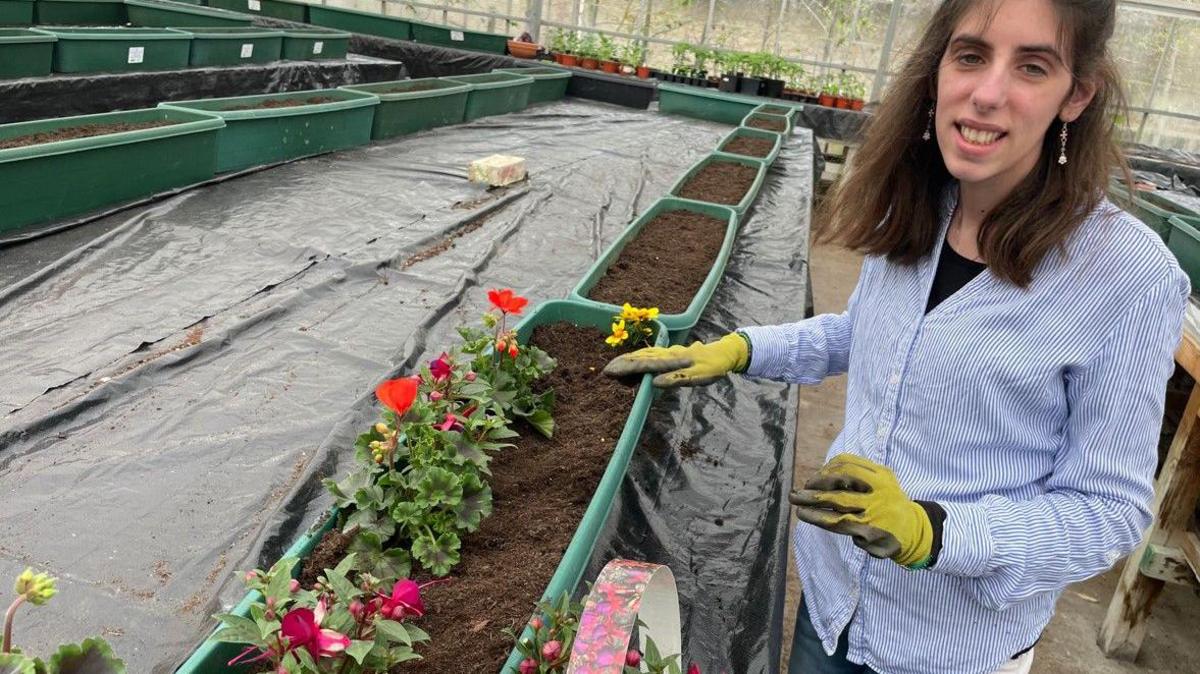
[(1062, 152), (928, 124)]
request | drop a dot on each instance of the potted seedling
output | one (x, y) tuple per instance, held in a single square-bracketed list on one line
[(756, 66), (570, 55), (606, 53), (587, 52), (774, 68), (701, 57), (634, 56), (855, 91), (558, 45), (828, 92), (796, 83), (727, 63), (679, 56)]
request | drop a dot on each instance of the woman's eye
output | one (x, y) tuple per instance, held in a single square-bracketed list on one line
[(969, 59), (1034, 69)]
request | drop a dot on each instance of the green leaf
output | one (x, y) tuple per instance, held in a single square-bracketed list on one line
[(93, 656), (386, 565), (542, 422), (281, 578), (358, 649), (306, 661), (393, 631), (370, 520), (343, 589), (437, 555), (345, 566), (344, 492), (438, 486), (408, 514), (236, 630), (418, 635), (15, 663), (472, 452), (476, 504)]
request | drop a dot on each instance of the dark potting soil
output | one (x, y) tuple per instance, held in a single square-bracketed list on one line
[(282, 103), (418, 86), (83, 131), (677, 248), (720, 182), (775, 110), (540, 489), (767, 123), (748, 146)]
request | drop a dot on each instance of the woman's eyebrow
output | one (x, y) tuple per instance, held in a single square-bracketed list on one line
[(1045, 50)]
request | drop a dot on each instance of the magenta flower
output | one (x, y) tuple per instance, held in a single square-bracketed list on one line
[(551, 650), (528, 666), (633, 658), (405, 601), (440, 368), (302, 628), (450, 423)]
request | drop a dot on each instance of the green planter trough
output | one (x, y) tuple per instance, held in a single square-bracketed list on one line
[(494, 93), (746, 132), (408, 106), (82, 50), (16, 12), (1184, 242), (314, 44), (1155, 217), (65, 178), (279, 9), (1158, 199), (81, 12), (787, 122), (549, 84), (678, 325), (715, 106), (751, 193), (354, 21), (254, 136), (449, 36), (163, 13), (25, 53), (778, 108), (220, 46)]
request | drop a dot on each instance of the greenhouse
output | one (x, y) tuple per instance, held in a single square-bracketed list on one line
[(557, 336)]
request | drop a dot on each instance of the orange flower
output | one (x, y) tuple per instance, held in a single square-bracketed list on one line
[(506, 301), (398, 394), (512, 350)]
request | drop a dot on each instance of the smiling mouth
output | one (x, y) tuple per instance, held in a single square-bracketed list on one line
[(979, 137)]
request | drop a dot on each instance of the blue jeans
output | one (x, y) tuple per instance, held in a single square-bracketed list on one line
[(808, 657)]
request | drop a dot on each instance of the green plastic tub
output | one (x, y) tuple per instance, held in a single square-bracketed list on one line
[(775, 118), (449, 36), (710, 104), (83, 50), (678, 325), (67, 178), (549, 84), (164, 13), (779, 108), (314, 44), (354, 21), (1155, 217), (1184, 242), (221, 46), (81, 12), (408, 106), (16, 12), (741, 206), (279, 9), (1156, 198), (494, 93), (25, 53), (747, 132), (268, 135)]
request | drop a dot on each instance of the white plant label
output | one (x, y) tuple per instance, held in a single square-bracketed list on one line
[(247, 50), (254, 5), (318, 46), (137, 54), (456, 35)]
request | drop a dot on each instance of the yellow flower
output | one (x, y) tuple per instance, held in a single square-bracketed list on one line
[(629, 312), (619, 334), (648, 314)]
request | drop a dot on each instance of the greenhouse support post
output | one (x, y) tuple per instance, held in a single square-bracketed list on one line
[(885, 51), (1162, 57), (712, 8), (533, 19)]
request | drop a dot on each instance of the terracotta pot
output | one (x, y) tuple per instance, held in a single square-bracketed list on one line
[(840, 102), (610, 66), (569, 60), (589, 63), (856, 104), (558, 58), (522, 50), (826, 100), (643, 72)]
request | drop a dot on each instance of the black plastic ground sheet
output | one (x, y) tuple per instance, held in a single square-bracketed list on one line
[(178, 377)]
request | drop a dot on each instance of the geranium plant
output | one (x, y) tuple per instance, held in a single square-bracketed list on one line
[(93, 656), (633, 326)]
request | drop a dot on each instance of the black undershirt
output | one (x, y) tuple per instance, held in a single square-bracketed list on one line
[(953, 272)]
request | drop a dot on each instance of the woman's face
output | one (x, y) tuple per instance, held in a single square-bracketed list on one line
[(1000, 85)]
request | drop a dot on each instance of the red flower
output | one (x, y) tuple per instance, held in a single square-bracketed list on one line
[(693, 669), (302, 628), (405, 601), (450, 423), (633, 658), (506, 301), (398, 394), (440, 368), (528, 666)]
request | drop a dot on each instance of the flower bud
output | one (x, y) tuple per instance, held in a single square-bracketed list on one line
[(270, 614), (552, 649), (489, 319), (270, 602), (633, 658), (501, 345), (512, 350), (37, 588), (528, 666), (381, 428), (250, 575), (435, 396), (378, 458), (470, 376), (536, 623), (356, 609), (294, 585)]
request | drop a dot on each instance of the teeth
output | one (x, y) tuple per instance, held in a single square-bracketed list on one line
[(977, 137)]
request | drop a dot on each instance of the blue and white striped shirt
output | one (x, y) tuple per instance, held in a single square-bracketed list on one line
[(1031, 415)]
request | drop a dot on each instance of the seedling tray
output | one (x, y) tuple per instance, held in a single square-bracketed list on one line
[(549, 84), (82, 50), (408, 106), (222, 46), (368, 23), (25, 53), (494, 93)]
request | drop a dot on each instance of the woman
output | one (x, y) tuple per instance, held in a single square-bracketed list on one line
[(1007, 349)]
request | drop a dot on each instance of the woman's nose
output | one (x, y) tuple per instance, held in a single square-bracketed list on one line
[(991, 89)]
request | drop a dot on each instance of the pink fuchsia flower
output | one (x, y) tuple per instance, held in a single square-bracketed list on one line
[(470, 376), (450, 423), (302, 629), (435, 396), (293, 585), (440, 367), (633, 658), (693, 669), (551, 650), (528, 666), (536, 623), (405, 601)]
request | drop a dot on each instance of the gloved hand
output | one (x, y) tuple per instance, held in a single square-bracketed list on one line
[(859, 498), (693, 365)]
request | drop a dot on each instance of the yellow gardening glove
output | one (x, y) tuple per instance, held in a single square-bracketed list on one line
[(693, 365), (862, 499)]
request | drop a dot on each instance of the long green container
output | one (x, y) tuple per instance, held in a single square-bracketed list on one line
[(81, 12), (253, 137), (65, 178), (549, 84), (1156, 198), (314, 44), (787, 121), (354, 21), (751, 193), (1184, 242), (779, 108), (164, 13), (715, 106), (1156, 218), (25, 53), (449, 36), (494, 93), (408, 106), (83, 50), (747, 132), (221, 46), (16, 12), (680, 324), (279, 9)]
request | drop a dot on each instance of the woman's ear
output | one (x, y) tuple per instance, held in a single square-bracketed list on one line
[(1078, 100)]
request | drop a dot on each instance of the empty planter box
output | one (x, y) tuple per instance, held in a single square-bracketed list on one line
[(81, 12), (276, 127), (313, 44), (16, 12), (367, 23), (81, 172), (494, 93), (25, 53), (227, 46), (710, 104), (549, 84), (82, 50), (448, 36), (291, 11), (162, 13), (407, 106)]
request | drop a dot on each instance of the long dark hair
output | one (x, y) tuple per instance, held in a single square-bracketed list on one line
[(887, 204)]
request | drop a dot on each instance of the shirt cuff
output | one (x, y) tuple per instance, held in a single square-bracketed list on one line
[(967, 544), (769, 349)]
